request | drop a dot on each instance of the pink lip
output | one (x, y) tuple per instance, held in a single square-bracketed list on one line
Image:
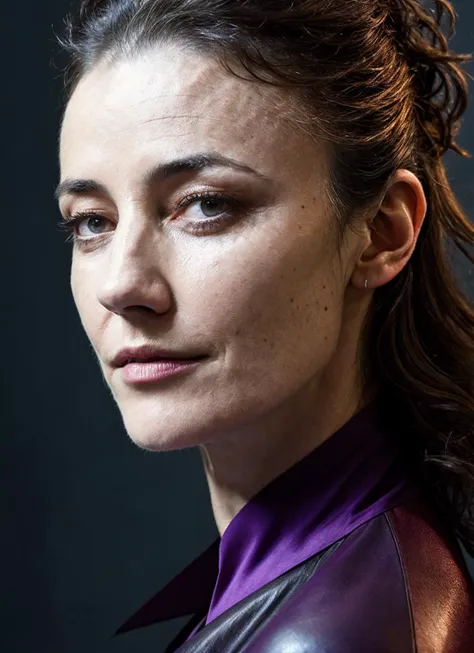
[(149, 353), (153, 371)]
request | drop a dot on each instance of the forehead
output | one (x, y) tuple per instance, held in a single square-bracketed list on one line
[(168, 103)]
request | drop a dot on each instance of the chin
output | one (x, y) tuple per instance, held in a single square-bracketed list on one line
[(150, 438), (154, 432), (179, 420)]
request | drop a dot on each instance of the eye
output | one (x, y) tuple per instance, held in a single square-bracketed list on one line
[(92, 222), (208, 212), (208, 207), (214, 206), (95, 226)]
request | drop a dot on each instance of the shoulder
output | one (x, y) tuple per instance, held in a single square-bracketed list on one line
[(439, 589), (397, 584)]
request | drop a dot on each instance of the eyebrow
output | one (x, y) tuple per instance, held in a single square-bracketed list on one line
[(160, 172)]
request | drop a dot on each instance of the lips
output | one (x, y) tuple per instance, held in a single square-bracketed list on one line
[(156, 359), (157, 371), (148, 354)]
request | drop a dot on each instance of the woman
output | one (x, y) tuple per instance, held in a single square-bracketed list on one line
[(270, 284)]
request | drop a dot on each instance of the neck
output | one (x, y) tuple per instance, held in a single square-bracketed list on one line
[(239, 466)]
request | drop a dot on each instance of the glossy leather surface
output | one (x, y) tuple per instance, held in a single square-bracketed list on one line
[(396, 584)]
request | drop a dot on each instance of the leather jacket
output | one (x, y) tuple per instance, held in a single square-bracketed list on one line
[(396, 584)]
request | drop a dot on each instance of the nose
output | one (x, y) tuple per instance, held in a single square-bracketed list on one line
[(133, 276)]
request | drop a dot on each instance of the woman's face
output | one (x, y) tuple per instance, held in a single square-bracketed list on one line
[(253, 280)]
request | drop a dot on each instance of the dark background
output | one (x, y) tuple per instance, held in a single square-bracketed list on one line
[(91, 525)]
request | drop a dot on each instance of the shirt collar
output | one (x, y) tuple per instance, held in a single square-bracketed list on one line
[(353, 476)]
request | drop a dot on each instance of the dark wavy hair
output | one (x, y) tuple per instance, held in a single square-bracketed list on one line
[(378, 81)]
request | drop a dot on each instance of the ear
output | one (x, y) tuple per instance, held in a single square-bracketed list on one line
[(393, 232)]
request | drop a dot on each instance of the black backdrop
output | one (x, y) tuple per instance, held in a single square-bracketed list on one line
[(91, 525)]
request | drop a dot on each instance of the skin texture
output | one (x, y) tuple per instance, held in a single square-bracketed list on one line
[(267, 295)]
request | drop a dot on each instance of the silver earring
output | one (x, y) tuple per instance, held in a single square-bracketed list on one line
[(366, 283)]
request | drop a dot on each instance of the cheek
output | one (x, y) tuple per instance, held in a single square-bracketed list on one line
[(274, 309)]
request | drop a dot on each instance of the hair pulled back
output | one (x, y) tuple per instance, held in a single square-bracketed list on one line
[(378, 81)]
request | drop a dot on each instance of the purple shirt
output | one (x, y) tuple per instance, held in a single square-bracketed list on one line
[(355, 475)]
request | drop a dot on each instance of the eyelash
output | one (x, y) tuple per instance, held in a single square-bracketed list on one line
[(71, 223)]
